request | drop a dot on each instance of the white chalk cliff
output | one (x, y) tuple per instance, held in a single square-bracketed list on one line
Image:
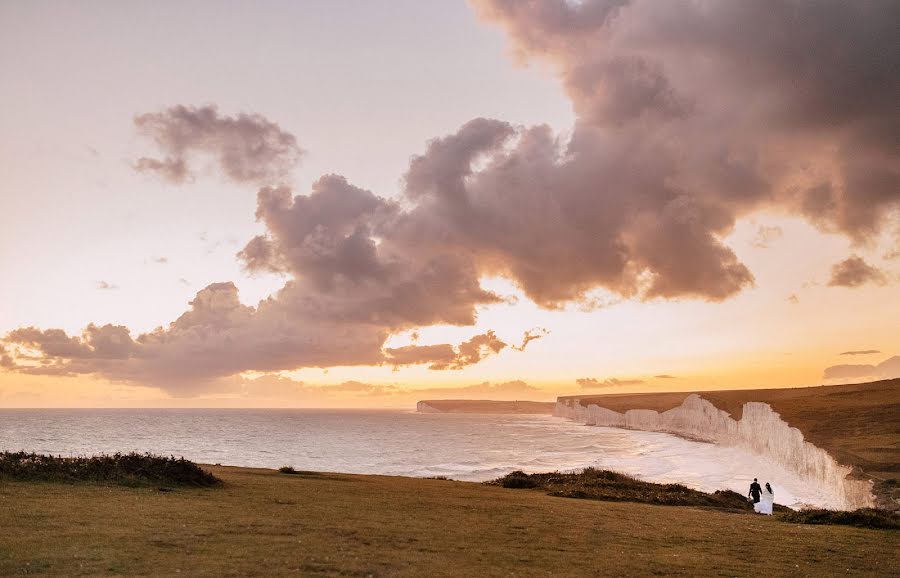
[(760, 430)]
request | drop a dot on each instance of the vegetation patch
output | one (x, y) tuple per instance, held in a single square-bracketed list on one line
[(862, 518), (125, 469), (594, 484), (287, 470)]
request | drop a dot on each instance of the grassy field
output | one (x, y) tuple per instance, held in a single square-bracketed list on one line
[(264, 523)]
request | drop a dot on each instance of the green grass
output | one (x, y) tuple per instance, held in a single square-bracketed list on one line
[(262, 523), (125, 469)]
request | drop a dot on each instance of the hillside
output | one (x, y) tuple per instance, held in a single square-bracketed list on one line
[(261, 523)]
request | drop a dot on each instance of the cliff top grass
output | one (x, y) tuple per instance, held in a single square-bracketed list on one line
[(125, 469), (594, 484), (262, 523)]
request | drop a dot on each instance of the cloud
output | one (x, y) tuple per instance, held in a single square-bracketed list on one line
[(685, 123), (887, 369), (247, 147), (272, 386), (5, 360), (860, 352), (510, 389), (765, 236), (665, 376), (594, 383), (531, 335), (106, 285), (161, 260), (445, 356), (853, 272), (683, 111), (793, 299)]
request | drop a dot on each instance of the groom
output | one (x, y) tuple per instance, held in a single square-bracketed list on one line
[(755, 491)]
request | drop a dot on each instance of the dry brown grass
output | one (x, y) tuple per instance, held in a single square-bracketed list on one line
[(262, 523)]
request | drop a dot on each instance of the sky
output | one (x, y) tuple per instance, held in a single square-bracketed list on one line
[(363, 204)]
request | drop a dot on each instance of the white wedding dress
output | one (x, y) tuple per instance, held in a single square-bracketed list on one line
[(766, 503)]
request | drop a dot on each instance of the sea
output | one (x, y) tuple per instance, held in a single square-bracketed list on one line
[(472, 447)]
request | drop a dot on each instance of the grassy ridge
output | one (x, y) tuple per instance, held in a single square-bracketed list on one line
[(594, 484), (125, 469)]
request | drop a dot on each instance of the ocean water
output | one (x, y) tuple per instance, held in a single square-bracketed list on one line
[(474, 447)]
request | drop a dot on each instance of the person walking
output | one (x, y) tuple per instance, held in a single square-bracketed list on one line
[(755, 492)]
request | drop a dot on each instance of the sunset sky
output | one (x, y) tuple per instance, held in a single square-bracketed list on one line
[(367, 203)]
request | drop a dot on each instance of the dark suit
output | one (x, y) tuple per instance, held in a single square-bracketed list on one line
[(755, 492)]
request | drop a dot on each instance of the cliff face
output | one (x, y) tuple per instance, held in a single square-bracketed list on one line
[(424, 407), (760, 429)]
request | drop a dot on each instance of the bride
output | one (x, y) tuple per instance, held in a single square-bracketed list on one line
[(766, 502)]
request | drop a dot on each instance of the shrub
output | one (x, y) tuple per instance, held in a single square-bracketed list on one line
[(126, 469), (517, 479), (287, 470), (594, 484), (861, 518)]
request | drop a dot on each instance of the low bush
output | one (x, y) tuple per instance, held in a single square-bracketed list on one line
[(517, 479), (287, 470), (594, 484), (862, 518), (126, 469)]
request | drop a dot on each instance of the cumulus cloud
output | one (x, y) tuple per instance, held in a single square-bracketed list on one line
[(106, 285), (853, 272), (685, 122), (247, 147), (684, 112), (445, 356), (594, 383), (887, 369)]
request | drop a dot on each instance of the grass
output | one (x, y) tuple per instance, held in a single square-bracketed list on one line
[(862, 518), (262, 523), (594, 484), (125, 469)]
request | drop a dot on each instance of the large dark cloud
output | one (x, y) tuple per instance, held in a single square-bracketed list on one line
[(689, 116), (732, 104)]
